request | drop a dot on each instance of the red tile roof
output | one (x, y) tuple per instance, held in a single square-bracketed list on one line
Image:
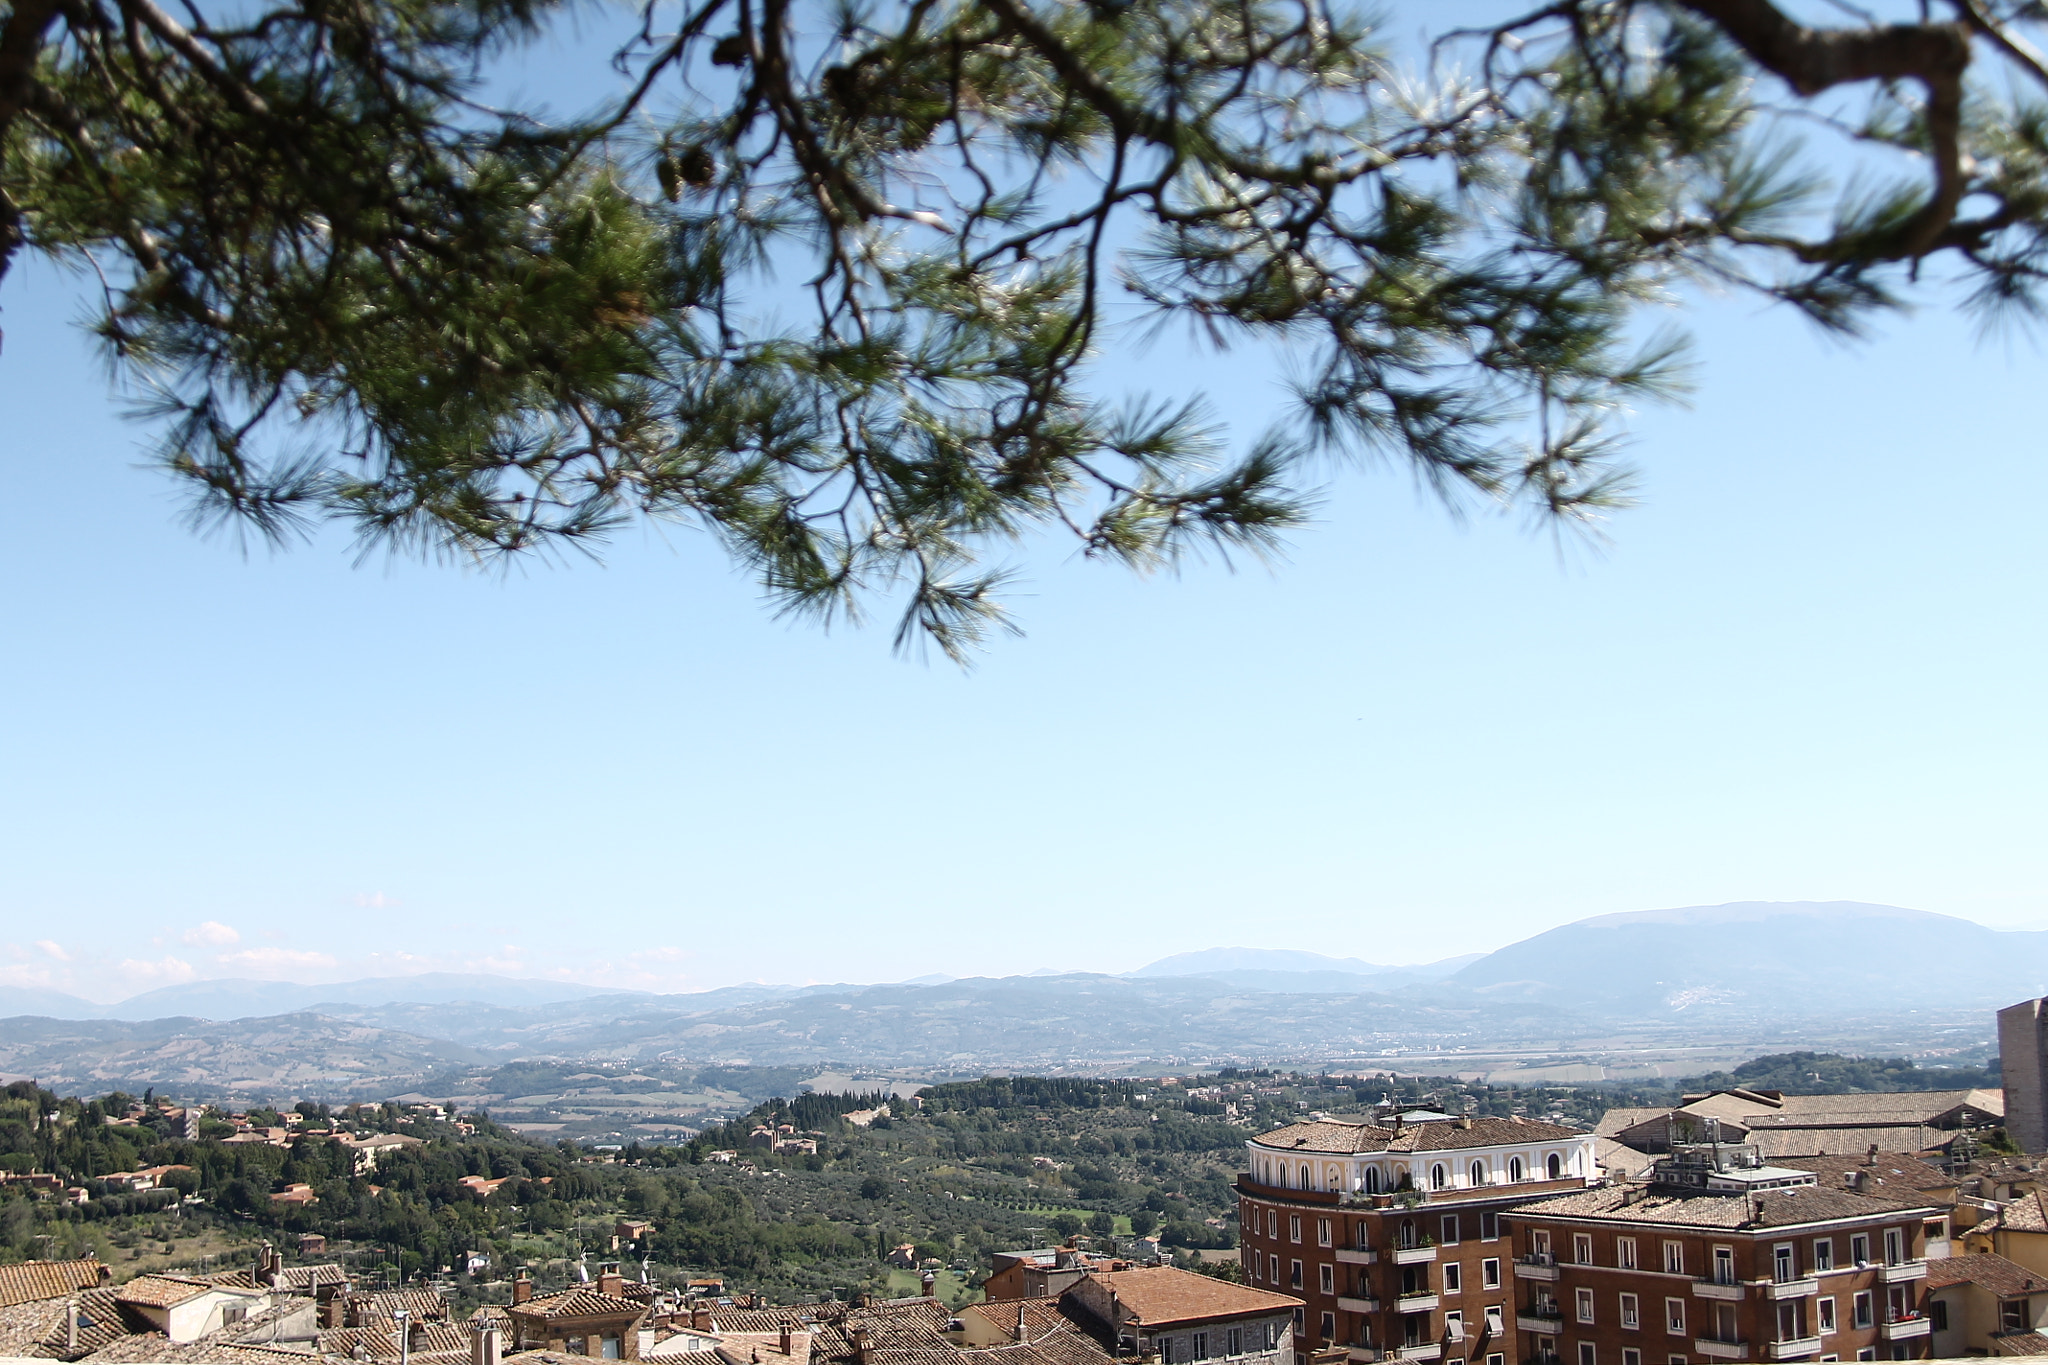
[(2006, 1279), (1164, 1294), (33, 1280), (577, 1303)]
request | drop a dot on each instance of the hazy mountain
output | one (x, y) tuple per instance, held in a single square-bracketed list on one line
[(1219, 961), (288, 1056), (49, 1004), (235, 998), (1762, 959)]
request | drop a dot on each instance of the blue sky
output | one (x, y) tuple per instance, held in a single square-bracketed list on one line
[(1808, 667)]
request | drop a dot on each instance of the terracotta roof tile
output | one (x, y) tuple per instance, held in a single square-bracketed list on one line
[(576, 1303), (1892, 1171), (2006, 1279), (1780, 1208), (2020, 1344), (1163, 1294), (162, 1291), (31, 1280)]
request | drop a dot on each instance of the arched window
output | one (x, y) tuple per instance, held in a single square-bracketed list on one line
[(1478, 1173), (1372, 1180), (1556, 1165), (1438, 1176), (1514, 1168), (1407, 1232)]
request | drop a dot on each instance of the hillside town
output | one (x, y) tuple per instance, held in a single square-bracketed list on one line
[(1735, 1224)]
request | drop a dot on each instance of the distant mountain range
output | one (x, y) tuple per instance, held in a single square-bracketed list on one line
[(229, 998), (1749, 970)]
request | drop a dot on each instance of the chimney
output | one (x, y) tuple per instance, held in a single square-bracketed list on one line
[(71, 1325), (522, 1288), (609, 1281), (700, 1319), (930, 1285), (788, 1332), (1465, 1122), (416, 1335), (1871, 1158), (860, 1344), (483, 1346), (269, 1265)]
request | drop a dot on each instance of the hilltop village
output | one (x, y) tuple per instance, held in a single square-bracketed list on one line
[(1242, 1217)]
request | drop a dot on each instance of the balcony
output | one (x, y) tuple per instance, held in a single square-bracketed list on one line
[(1424, 1302), (1905, 1328), (1791, 1289), (1538, 1266), (1717, 1349), (1361, 1355), (1539, 1320), (1902, 1272), (1427, 1350), (1414, 1255), (1353, 1305), (1792, 1348), (1543, 1360), (1717, 1289), (1357, 1256)]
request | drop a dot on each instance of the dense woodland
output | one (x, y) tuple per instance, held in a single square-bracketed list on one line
[(966, 1169)]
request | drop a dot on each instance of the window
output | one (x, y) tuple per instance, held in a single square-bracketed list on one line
[(1166, 1350), (1294, 1277), (1937, 1314), (1450, 1230), (1823, 1254), (1631, 1356), (1824, 1313), (611, 1349), (1555, 1165), (1364, 1235), (1582, 1248), (1859, 1249), (1294, 1227), (1201, 1351), (1329, 1326), (1454, 1326), (1489, 1226), (1514, 1168), (2012, 1316), (1625, 1252), (1674, 1258), (1489, 1273), (575, 1345), (1476, 1173), (1439, 1177), (1894, 1246), (1724, 1265), (1372, 1180), (1677, 1360), (1586, 1356), (1585, 1302), (1497, 1360), (1539, 1241), (1860, 1314), (1234, 1342), (1674, 1317), (1784, 1268), (1867, 1353), (1329, 1279), (1273, 1269), (1454, 1277), (1496, 1318), (1322, 1232), (1630, 1317)]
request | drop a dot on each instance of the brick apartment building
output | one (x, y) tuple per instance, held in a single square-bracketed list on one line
[(1718, 1257), (1391, 1232)]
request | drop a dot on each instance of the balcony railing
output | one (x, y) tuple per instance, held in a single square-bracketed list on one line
[(1420, 1301), (1352, 1304), (1899, 1272), (1538, 1265), (1539, 1319), (1425, 1350), (1415, 1255), (1904, 1326), (1720, 1349), (1357, 1256), (1791, 1289), (1718, 1289), (1791, 1348)]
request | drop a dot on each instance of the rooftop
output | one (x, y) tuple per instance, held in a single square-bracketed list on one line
[(1702, 1209), (2006, 1279), (1335, 1135), (32, 1280), (1162, 1294)]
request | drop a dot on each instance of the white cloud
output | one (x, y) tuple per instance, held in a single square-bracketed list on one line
[(212, 934), (51, 948), (377, 900), (276, 959), (164, 971)]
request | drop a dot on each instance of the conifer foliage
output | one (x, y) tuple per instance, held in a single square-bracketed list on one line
[(829, 282)]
